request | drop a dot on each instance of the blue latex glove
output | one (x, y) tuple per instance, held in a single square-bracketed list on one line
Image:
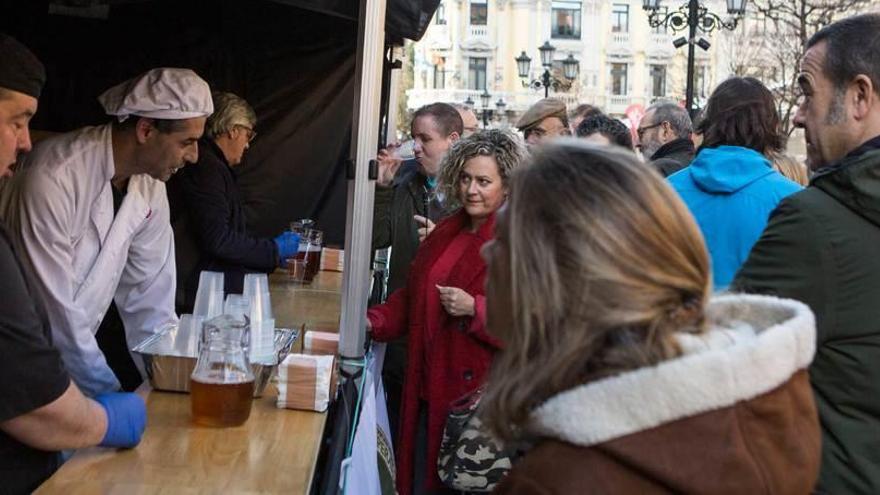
[(126, 419), (288, 245)]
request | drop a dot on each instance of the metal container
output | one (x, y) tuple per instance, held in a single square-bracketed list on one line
[(169, 360)]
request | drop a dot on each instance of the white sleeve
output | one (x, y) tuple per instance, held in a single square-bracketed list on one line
[(146, 290), (45, 214)]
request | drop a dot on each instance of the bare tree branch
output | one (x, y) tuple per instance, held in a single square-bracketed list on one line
[(771, 43)]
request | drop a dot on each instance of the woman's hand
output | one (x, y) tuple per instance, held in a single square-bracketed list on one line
[(456, 302)]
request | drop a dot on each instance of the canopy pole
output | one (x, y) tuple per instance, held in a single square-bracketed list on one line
[(359, 212)]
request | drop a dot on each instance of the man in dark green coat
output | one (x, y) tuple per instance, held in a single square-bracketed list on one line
[(822, 247), (405, 211)]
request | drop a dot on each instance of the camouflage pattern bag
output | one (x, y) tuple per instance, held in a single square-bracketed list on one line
[(471, 459)]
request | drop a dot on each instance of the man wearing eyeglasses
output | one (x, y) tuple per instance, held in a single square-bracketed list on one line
[(665, 137), (210, 232)]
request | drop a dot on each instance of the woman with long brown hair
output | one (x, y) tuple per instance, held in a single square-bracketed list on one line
[(617, 366)]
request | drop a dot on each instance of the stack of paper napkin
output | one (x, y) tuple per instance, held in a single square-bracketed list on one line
[(306, 382)]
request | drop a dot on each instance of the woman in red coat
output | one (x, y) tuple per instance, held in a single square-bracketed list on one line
[(442, 308)]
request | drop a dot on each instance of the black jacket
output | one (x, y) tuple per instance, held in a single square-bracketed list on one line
[(393, 223), (210, 231), (821, 247), (673, 156)]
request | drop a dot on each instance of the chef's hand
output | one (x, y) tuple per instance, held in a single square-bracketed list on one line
[(126, 419), (426, 226), (288, 245), (389, 163), (455, 301)]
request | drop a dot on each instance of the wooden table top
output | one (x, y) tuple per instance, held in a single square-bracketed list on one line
[(275, 451), (316, 304)]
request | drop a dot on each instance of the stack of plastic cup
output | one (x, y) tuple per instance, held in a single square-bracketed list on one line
[(256, 290), (189, 330), (237, 306), (209, 297)]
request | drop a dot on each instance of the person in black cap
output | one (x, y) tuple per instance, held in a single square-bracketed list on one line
[(41, 410), (92, 215)]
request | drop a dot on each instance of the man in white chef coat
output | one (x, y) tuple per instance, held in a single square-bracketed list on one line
[(89, 212)]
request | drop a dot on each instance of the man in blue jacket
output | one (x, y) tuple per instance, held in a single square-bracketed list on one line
[(731, 188)]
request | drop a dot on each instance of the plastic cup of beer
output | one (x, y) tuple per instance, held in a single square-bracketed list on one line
[(406, 150), (315, 243), (296, 270)]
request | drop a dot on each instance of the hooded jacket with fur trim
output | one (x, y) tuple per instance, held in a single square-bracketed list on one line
[(734, 414)]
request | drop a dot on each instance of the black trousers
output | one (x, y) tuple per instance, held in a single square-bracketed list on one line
[(111, 341)]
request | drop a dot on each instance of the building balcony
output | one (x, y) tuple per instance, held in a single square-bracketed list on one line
[(619, 44), (617, 104), (478, 31), (416, 98), (660, 46)]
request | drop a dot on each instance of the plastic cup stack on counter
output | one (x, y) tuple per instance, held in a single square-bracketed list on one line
[(262, 343), (209, 296)]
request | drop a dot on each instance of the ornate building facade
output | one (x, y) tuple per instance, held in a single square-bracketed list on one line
[(471, 46)]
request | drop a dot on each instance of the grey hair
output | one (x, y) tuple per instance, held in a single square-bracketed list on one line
[(504, 146), (677, 117), (229, 111)]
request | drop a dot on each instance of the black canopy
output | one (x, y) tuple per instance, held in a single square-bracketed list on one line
[(293, 60)]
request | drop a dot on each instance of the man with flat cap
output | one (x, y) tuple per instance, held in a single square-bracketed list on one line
[(41, 410), (544, 120), (89, 210)]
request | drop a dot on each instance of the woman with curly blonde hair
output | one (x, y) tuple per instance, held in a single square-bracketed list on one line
[(442, 307), (617, 366)]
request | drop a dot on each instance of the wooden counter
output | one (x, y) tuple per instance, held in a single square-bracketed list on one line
[(316, 304), (275, 451)]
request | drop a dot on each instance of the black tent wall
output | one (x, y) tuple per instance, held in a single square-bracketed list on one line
[(294, 65)]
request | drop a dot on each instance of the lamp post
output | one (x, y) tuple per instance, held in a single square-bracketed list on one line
[(485, 98), (693, 16), (570, 69), (500, 105)]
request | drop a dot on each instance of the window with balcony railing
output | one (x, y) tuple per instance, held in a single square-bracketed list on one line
[(565, 20), (479, 12), (758, 23), (661, 14), (477, 73), (440, 73), (440, 15), (620, 18), (658, 81), (618, 79)]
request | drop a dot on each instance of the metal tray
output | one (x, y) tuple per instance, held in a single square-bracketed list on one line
[(170, 359)]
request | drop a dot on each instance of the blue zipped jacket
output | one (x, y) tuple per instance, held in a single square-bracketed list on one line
[(731, 192)]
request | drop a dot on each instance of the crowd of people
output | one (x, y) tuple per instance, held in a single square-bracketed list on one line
[(679, 307)]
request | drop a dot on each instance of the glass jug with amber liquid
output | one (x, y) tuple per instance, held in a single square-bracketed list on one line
[(222, 384)]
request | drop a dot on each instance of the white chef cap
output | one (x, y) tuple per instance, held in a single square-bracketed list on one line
[(164, 93)]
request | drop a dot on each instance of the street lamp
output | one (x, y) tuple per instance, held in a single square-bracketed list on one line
[(570, 69), (486, 113), (693, 16), (500, 105), (485, 98)]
